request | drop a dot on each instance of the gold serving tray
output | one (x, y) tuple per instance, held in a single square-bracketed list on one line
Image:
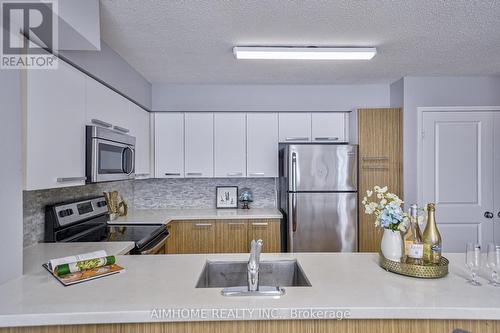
[(418, 271)]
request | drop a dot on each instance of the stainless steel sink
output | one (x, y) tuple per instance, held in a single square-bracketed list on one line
[(227, 274)]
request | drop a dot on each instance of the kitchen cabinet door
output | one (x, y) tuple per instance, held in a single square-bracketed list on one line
[(139, 124), (191, 237), (105, 105), (268, 230), (232, 236), (329, 127), (199, 145), (230, 140), (295, 127), (169, 145), (55, 127), (262, 145)]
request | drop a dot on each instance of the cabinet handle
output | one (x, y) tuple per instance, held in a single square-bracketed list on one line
[(256, 174), (498, 215), (100, 123), (70, 179), (297, 139), (375, 158), (377, 168), (326, 139), (488, 215), (260, 224), (203, 225), (172, 174), (236, 223), (194, 174), (233, 174), (121, 129)]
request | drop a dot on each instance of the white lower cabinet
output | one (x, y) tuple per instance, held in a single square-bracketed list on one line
[(139, 125), (199, 144), (169, 145), (329, 127), (55, 128), (229, 141), (262, 145)]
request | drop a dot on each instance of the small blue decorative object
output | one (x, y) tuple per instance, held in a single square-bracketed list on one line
[(246, 197)]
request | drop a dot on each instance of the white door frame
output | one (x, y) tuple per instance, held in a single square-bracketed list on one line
[(420, 118)]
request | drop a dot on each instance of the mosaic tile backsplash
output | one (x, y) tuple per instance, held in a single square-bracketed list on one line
[(143, 194)]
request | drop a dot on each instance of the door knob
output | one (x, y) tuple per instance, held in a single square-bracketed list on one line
[(488, 215)]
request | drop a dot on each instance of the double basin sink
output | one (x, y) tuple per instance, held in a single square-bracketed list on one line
[(232, 276)]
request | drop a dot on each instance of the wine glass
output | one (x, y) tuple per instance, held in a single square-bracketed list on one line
[(473, 261), (493, 263)]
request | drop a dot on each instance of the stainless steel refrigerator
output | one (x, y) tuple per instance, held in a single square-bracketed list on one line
[(318, 188)]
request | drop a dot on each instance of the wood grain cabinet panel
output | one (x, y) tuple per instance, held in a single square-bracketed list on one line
[(232, 236), (268, 230), (191, 237), (380, 163)]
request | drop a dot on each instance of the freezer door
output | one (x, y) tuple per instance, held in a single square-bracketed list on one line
[(322, 167), (322, 222)]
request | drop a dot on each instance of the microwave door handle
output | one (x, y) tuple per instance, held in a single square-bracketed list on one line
[(124, 161)]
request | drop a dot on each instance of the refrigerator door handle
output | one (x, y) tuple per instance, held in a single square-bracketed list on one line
[(294, 212), (294, 171)]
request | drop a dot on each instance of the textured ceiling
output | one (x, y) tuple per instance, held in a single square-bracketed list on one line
[(185, 42)]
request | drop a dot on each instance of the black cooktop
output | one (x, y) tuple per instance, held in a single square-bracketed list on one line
[(139, 233)]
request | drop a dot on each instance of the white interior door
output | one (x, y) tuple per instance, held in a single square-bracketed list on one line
[(457, 170), (496, 176)]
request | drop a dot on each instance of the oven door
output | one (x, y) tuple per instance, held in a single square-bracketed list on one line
[(112, 160)]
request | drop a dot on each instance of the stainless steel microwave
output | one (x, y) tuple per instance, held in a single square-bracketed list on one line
[(110, 155)]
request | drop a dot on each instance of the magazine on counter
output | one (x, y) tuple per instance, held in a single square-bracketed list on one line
[(83, 267)]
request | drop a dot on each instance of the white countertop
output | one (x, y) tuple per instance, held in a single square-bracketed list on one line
[(164, 216), (36, 255), (340, 282)]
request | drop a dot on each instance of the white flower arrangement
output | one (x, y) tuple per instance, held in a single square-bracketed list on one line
[(386, 208)]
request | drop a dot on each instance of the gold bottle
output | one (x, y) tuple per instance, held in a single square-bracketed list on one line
[(431, 238)]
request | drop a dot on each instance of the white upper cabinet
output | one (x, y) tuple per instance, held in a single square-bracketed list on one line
[(139, 125), (199, 144), (262, 145), (169, 145), (230, 140), (329, 127), (295, 127), (105, 105), (55, 128)]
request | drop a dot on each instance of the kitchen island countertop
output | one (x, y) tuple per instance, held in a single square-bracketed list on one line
[(157, 288)]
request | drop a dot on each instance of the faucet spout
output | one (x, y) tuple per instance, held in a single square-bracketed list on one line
[(253, 265)]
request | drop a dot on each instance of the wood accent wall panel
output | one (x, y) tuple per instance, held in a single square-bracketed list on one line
[(278, 326), (380, 163), (232, 236), (268, 230)]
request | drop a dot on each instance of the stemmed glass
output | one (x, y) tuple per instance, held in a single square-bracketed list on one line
[(473, 261), (493, 263)]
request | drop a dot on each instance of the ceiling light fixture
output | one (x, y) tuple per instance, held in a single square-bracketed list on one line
[(304, 53)]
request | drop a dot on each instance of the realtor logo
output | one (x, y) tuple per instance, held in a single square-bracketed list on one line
[(29, 34)]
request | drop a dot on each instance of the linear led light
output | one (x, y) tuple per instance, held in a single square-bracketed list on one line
[(304, 53)]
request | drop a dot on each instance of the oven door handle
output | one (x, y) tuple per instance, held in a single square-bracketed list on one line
[(157, 247)]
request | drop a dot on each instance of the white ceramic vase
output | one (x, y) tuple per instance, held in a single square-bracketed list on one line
[(392, 245)]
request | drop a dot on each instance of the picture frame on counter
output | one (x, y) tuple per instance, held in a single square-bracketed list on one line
[(226, 197)]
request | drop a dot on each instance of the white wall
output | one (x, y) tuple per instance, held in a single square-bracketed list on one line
[(268, 97), (438, 91), (11, 179), (110, 67)]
